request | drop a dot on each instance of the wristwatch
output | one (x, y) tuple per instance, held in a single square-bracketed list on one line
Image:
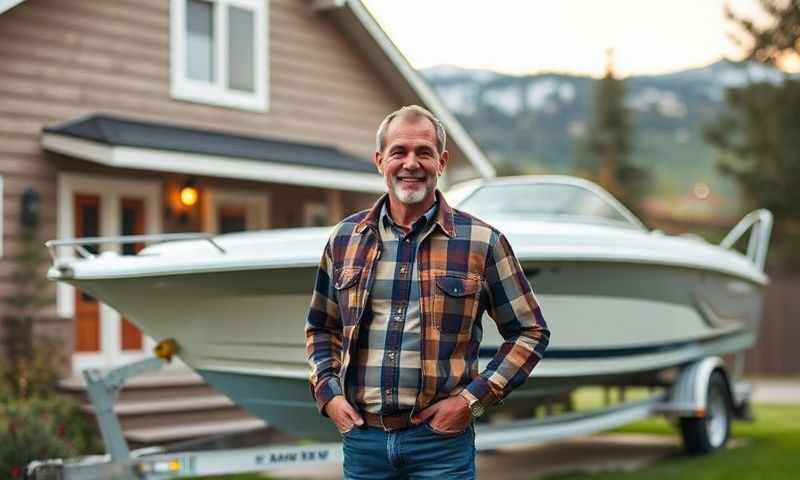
[(475, 407)]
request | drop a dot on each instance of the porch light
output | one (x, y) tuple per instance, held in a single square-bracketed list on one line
[(189, 194)]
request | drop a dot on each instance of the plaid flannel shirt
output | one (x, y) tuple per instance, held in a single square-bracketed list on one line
[(466, 268)]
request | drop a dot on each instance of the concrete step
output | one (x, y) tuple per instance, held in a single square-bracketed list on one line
[(171, 384), (168, 406), (159, 405), (171, 433), (183, 417)]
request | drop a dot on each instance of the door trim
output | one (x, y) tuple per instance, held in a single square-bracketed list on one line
[(111, 190)]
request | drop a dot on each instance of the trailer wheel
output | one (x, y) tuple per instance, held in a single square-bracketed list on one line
[(711, 432)]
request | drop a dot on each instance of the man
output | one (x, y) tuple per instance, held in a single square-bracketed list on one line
[(395, 320)]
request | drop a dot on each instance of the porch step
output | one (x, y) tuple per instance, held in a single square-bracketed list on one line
[(144, 407), (168, 406), (172, 433)]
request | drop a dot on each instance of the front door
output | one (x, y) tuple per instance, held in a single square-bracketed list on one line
[(103, 206)]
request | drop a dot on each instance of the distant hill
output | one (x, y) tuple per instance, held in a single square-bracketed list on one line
[(537, 123)]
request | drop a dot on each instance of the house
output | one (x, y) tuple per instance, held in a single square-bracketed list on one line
[(163, 116)]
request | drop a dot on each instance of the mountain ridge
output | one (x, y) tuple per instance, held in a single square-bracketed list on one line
[(537, 123)]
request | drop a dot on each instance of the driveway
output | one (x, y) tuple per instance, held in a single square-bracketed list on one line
[(588, 453), (617, 451)]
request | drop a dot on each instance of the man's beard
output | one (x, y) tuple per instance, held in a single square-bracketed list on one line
[(412, 196)]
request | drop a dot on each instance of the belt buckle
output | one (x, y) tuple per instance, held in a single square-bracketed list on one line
[(389, 428)]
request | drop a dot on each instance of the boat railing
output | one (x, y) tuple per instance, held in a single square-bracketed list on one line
[(79, 244), (757, 245)]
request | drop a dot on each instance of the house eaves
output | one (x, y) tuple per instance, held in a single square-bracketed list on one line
[(126, 143)]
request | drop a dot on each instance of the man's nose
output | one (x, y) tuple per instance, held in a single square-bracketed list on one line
[(411, 162)]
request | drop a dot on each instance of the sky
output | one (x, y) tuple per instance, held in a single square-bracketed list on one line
[(569, 36)]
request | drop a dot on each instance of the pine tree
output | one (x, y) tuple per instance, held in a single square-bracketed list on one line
[(759, 139), (610, 142)]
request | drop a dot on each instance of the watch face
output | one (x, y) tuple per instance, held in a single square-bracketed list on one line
[(476, 409)]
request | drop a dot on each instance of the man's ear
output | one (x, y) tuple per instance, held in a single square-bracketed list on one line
[(443, 158), (377, 159)]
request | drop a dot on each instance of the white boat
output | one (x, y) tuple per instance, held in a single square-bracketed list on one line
[(625, 305)]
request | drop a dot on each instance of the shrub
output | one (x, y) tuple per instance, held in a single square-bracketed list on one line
[(33, 374), (36, 422)]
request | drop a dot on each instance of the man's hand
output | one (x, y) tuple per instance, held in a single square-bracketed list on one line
[(450, 415), (342, 413)]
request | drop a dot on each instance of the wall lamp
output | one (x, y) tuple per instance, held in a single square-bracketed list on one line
[(31, 207), (189, 194)]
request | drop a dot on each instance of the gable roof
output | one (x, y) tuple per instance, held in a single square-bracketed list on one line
[(362, 28)]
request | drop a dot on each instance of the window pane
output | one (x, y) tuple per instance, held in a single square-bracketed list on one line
[(199, 40), (232, 218), (241, 45)]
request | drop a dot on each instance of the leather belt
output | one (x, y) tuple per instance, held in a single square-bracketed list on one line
[(398, 421)]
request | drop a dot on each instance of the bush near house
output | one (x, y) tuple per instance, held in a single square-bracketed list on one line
[(35, 421)]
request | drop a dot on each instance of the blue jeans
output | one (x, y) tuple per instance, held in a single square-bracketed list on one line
[(414, 453)]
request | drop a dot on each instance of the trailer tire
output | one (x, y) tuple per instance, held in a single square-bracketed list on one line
[(707, 434)]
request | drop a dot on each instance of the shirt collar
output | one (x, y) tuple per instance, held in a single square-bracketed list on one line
[(444, 216), (419, 225)]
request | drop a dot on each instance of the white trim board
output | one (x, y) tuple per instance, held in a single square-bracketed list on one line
[(211, 165)]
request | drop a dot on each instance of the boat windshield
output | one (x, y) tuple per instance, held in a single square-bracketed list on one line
[(571, 203)]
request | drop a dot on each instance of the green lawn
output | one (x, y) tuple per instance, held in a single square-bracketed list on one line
[(772, 451), (771, 448)]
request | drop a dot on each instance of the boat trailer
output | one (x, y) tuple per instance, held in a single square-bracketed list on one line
[(704, 398)]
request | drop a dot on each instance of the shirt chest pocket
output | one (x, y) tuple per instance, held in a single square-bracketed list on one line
[(348, 292), (455, 303)]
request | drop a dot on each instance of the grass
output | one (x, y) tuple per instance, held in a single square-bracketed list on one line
[(771, 451)]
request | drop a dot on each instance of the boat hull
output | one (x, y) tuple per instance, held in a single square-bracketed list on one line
[(611, 322)]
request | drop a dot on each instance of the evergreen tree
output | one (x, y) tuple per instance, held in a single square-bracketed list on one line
[(759, 139), (776, 43), (610, 142)]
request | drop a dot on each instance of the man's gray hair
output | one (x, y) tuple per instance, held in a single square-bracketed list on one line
[(411, 111)]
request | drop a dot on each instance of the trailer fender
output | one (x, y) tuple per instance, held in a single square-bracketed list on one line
[(688, 395)]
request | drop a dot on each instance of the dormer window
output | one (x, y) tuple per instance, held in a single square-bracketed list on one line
[(218, 52)]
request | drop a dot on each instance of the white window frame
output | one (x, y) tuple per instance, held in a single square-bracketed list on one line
[(217, 93)]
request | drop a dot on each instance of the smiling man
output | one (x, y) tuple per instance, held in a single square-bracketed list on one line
[(395, 321)]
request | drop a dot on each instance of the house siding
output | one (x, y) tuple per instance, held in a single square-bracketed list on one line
[(61, 59)]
